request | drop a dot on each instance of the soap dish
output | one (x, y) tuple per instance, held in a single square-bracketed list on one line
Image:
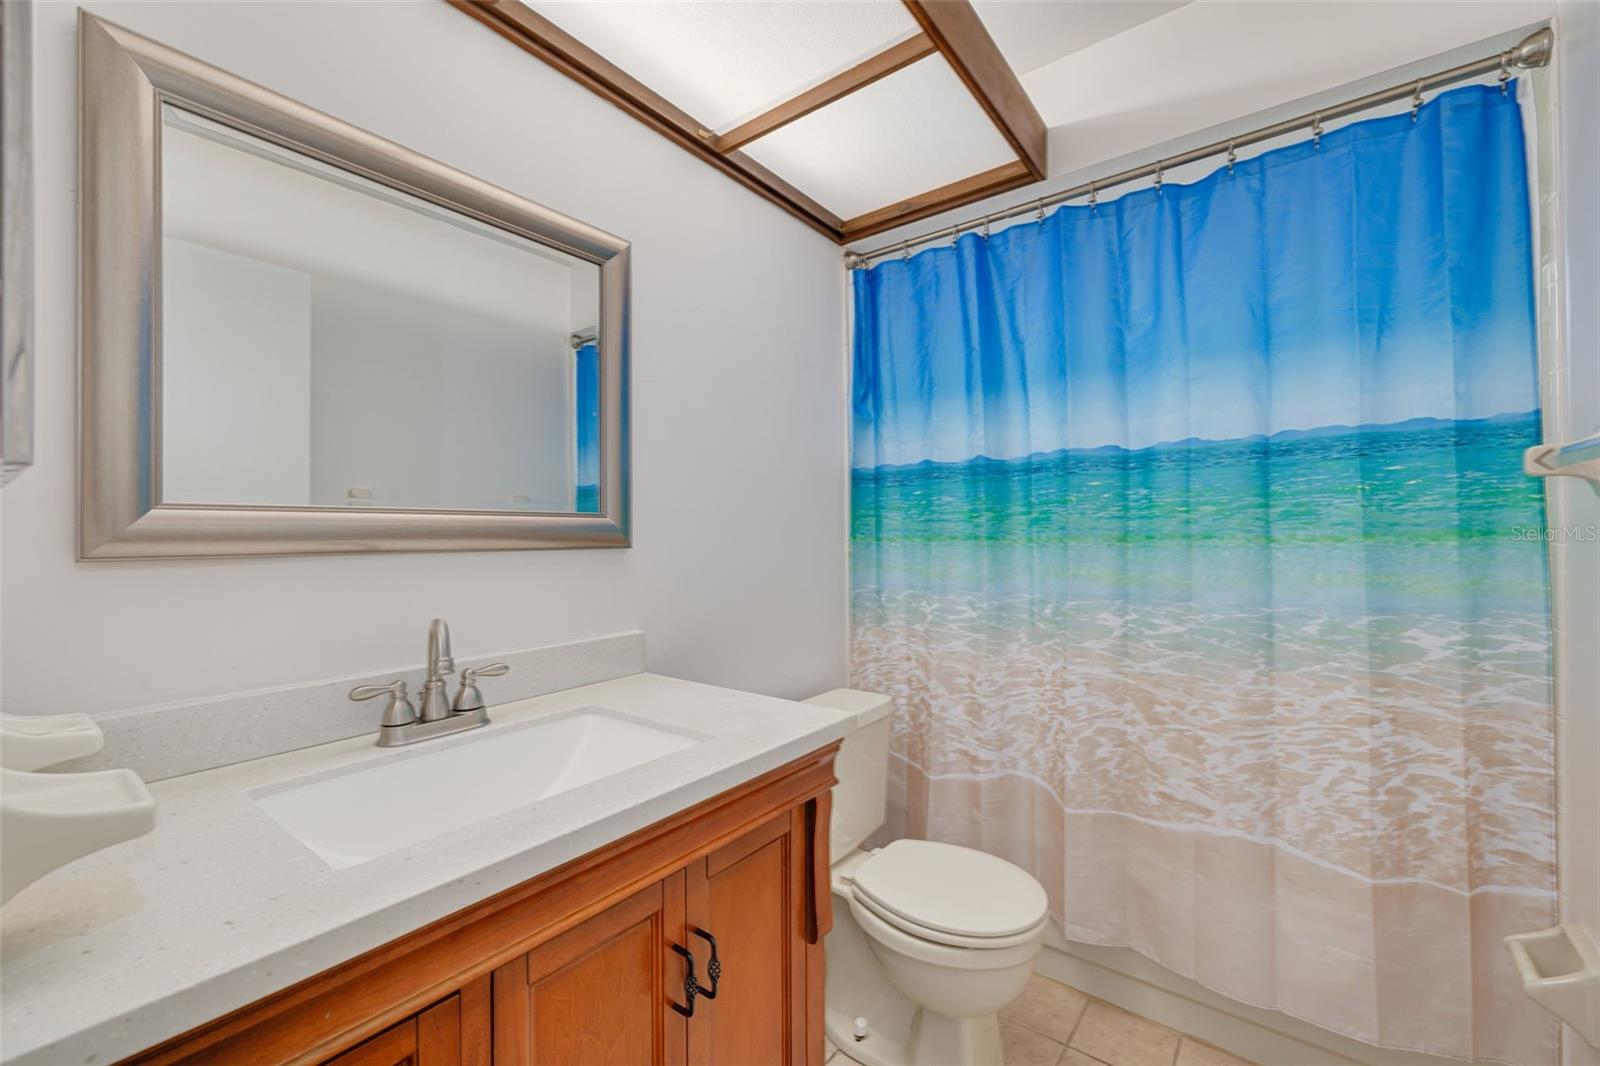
[(48, 820), (1560, 970), (34, 741)]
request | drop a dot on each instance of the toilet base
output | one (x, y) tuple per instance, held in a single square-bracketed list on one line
[(857, 988), (937, 1040), (878, 1048), (933, 1040)]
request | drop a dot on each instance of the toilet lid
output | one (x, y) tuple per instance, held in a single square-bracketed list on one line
[(951, 889)]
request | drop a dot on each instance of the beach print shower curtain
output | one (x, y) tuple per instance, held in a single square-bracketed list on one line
[(1190, 537), (586, 420)]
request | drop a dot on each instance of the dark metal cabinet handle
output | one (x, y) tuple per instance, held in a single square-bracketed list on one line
[(691, 987), (714, 967)]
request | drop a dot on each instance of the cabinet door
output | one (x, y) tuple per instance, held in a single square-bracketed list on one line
[(430, 1038), (601, 993), (750, 897)]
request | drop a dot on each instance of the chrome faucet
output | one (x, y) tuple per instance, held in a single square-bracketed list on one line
[(435, 696), (403, 724)]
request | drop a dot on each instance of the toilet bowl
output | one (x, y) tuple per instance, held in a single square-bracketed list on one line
[(930, 940)]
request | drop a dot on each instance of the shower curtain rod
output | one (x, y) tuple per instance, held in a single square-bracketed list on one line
[(1532, 51)]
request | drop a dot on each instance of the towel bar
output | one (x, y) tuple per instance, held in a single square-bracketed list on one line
[(1578, 459)]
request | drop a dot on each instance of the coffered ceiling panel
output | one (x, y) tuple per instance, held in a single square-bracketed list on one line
[(852, 115), (913, 131), (861, 116), (724, 61)]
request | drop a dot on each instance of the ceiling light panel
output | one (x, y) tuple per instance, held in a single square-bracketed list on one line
[(916, 130), (726, 61)]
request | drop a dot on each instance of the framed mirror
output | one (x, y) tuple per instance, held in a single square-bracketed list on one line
[(16, 238), (297, 337)]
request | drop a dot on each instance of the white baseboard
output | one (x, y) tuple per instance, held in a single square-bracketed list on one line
[(1127, 979)]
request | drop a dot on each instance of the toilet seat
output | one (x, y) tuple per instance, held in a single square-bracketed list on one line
[(949, 957), (939, 936), (951, 895)]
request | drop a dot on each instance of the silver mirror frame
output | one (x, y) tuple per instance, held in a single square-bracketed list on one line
[(16, 238), (124, 79)]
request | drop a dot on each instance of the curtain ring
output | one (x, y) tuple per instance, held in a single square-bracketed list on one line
[(1160, 165), (1316, 130), (1039, 217), (985, 227), (955, 235), (1094, 197), (1416, 101), (905, 250), (1232, 158), (1505, 72)]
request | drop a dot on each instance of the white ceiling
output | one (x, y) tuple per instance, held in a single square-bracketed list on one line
[(1164, 74), (1033, 33)]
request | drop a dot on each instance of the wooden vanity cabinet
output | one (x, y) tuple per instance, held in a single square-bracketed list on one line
[(588, 965), (601, 991), (615, 988), (747, 896)]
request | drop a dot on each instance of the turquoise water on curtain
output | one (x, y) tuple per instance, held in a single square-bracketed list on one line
[(1424, 516), (587, 475)]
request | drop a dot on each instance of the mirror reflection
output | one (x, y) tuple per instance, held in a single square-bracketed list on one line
[(328, 341)]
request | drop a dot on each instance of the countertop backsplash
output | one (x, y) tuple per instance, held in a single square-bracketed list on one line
[(172, 739)]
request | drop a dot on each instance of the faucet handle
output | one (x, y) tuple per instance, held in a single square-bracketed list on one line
[(399, 710), (468, 698)]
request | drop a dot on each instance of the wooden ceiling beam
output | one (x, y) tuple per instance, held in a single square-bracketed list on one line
[(959, 33), (886, 62), (542, 38), (1000, 179)]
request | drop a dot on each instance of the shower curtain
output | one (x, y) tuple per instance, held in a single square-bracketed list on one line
[(1190, 536), (586, 420)]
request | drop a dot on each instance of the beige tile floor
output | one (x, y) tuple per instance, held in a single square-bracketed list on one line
[(1052, 1024)]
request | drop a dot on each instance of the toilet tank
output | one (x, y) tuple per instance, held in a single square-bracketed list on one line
[(862, 767)]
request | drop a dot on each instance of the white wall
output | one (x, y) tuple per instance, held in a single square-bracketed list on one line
[(236, 378), (1574, 504), (737, 574), (426, 404)]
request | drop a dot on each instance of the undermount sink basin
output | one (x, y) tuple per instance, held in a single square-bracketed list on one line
[(350, 816)]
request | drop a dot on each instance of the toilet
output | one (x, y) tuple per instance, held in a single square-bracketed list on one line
[(929, 940)]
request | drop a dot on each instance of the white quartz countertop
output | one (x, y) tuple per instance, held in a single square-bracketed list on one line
[(220, 906)]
